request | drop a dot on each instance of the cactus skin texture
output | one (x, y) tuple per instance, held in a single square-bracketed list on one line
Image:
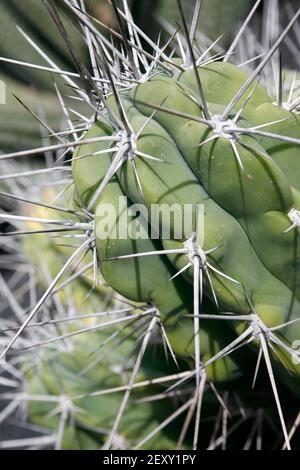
[(245, 182)]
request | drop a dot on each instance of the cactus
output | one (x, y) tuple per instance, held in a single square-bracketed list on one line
[(86, 421), (193, 132)]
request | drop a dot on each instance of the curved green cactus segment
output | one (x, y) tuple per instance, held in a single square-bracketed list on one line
[(148, 279), (186, 188), (67, 384), (176, 157), (221, 81), (280, 121), (213, 158), (114, 240), (238, 174), (120, 233), (73, 384)]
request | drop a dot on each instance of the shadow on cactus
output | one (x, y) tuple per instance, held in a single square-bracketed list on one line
[(221, 297)]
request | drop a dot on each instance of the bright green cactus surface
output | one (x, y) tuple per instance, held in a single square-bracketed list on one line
[(246, 182)]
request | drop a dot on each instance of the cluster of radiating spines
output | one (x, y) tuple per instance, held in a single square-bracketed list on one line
[(116, 71)]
